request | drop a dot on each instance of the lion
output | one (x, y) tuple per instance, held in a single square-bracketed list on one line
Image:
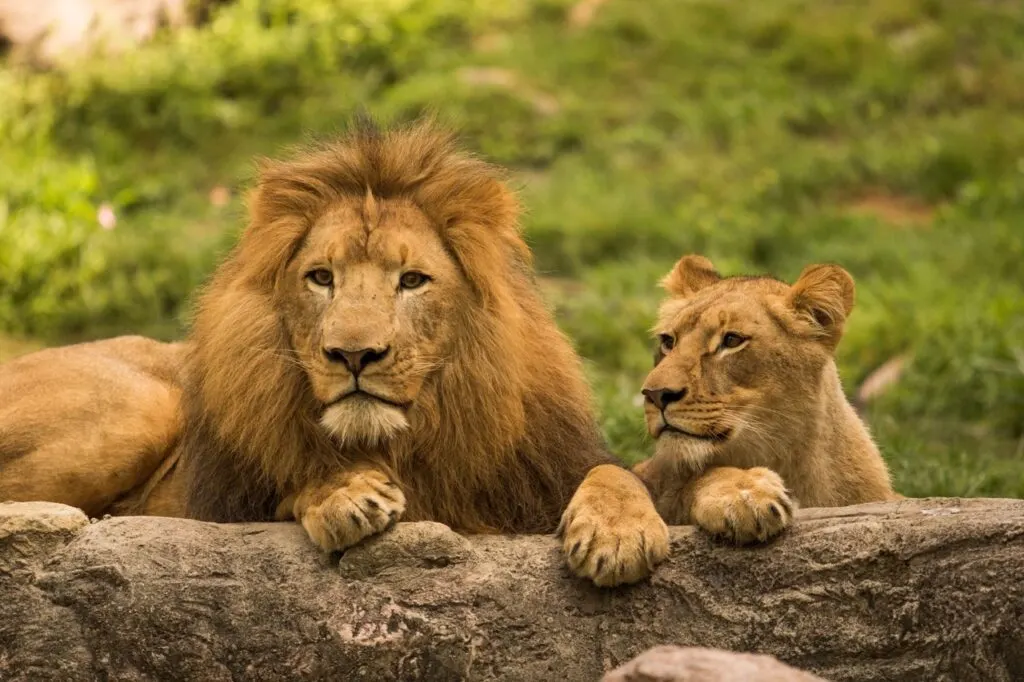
[(745, 403), (373, 349)]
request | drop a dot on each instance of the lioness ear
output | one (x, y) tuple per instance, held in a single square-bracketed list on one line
[(690, 275), (823, 297)]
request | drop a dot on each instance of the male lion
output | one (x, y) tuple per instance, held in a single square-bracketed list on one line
[(746, 405), (374, 348)]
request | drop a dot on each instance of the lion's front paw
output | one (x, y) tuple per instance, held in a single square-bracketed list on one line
[(611, 533), (366, 503), (743, 505)]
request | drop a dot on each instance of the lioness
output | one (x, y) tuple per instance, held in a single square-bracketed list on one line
[(746, 406), (373, 349)]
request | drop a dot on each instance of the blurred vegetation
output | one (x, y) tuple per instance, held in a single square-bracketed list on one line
[(886, 135)]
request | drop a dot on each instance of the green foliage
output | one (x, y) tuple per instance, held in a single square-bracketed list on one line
[(883, 135)]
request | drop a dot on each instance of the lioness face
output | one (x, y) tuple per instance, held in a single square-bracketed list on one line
[(368, 301), (735, 357), (713, 354)]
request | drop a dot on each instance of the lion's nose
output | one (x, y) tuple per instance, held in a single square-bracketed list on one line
[(356, 360), (663, 397)]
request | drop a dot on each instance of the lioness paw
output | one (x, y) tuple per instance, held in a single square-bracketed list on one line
[(611, 533), (743, 506), (366, 504)]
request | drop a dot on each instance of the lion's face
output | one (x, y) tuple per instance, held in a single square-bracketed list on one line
[(736, 357), (368, 301)]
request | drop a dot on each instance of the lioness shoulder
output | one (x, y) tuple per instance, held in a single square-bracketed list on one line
[(746, 406)]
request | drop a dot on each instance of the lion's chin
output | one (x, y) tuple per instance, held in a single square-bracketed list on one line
[(690, 451), (363, 421)]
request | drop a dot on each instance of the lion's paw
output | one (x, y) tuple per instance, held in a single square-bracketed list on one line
[(366, 504), (611, 533), (743, 506)]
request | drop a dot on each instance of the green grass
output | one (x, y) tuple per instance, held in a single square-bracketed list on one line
[(885, 135)]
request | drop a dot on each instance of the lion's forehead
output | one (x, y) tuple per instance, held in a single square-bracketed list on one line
[(737, 310), (392, 233)]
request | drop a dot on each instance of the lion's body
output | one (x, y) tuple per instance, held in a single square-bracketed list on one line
[(90, 425), (770, 406), (373, 349)]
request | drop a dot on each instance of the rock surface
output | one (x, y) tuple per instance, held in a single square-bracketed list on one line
[(46, 31), (912, 590), (698, 664)]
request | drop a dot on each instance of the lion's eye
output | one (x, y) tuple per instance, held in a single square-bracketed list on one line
[(413, 280), (733, 340), (667, 342), (321, 277)]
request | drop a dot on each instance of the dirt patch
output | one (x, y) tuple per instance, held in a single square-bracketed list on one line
[(894, 209), (505, 79), (582, 14), (560, 287)]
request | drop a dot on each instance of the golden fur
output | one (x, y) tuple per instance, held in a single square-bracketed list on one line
[(746, 405), (375, 348), (89, 425)]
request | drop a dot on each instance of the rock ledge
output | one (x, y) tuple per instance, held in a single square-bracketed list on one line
[(913, 590)]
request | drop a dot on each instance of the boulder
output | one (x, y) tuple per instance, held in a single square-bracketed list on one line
[(49, 31), (700, 664), (926, 589)]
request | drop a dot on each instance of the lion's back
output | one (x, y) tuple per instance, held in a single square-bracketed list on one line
[(84, 424)]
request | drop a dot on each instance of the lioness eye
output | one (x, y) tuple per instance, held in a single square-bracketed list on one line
[(413, 280), (321, 277), (732, 340), (667, 342)]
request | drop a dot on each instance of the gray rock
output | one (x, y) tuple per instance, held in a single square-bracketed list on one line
[(698, 664), (31, 531), (911, 590), (49, 30)]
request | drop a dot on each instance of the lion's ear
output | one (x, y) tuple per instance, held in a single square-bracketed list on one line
[(823, 297), (690, 275)]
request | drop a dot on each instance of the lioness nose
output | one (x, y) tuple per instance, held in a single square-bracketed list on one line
[(663, 397), (356, 360)]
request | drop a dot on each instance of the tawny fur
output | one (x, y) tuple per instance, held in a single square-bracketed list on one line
[(90, 424), (772, 404)]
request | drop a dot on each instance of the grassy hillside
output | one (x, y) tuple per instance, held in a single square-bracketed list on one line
[(886, 135)]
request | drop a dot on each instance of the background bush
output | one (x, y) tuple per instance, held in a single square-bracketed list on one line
[(886, 135)]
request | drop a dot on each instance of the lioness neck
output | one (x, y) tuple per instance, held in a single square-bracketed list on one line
[(837, 463)]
